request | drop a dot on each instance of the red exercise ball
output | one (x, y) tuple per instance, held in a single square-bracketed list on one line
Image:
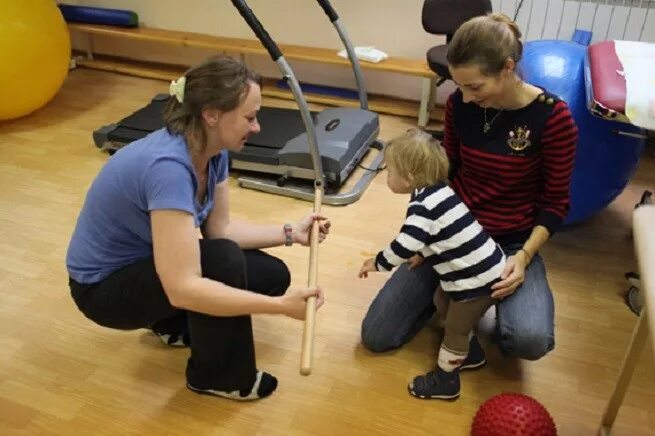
[(512, 414)]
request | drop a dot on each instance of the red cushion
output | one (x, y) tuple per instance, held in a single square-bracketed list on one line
[(608, 86)]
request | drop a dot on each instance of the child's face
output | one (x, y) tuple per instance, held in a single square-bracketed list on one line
[(397, 183)]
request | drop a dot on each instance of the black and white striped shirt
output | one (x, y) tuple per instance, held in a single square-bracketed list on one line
[(441, 228)]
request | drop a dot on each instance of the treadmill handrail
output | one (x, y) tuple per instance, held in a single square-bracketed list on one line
[(329, 10), (275, 52), (352, 57), (256, 26), (287, 72)]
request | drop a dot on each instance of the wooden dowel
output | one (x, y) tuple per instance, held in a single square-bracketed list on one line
[(310, 309)]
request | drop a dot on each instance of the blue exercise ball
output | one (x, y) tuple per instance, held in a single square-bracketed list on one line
[(605, 160)]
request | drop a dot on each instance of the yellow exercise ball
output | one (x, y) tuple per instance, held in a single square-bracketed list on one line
[(35, 50)]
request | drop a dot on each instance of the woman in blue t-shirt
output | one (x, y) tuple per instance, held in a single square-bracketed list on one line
[(135, 259)]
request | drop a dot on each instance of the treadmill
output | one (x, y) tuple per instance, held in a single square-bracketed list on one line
[(280, 159)]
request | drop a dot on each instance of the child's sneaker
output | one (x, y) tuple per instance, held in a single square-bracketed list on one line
[(264, 386), (437, 384), (475, 358)]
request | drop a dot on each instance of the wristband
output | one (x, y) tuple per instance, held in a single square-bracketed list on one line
[(288, 235), (526, 254)]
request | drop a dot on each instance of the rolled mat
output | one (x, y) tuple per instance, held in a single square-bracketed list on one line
[(91, 15)]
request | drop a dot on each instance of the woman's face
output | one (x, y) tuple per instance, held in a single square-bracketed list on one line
[(232, 129), (485, 91)]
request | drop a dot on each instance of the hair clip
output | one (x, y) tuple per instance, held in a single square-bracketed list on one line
[(177, 88)]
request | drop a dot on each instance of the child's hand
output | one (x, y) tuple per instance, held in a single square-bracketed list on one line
[(367, 267), (415, 261)]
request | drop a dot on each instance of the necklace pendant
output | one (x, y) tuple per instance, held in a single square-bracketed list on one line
[(486, 127)]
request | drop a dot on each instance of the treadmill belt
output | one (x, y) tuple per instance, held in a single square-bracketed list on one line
[(123, 135), (139, 124), (148, 118), (278, 126)]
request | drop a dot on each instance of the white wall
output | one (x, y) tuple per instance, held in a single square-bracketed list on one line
[(393, 26)]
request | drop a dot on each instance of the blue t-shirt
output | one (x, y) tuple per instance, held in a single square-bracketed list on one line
[(114, 229)]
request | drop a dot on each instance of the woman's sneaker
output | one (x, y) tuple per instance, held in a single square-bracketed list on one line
[(172, 331), (264, 386), (476, 358), (174, 339), (437, 384)]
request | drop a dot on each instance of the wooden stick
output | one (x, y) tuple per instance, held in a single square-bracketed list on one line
[(310, 309), (637, 343)]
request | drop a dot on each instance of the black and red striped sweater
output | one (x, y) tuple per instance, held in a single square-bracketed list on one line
[(516, 175)]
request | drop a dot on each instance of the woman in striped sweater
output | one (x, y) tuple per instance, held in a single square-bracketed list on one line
[(511, 147)]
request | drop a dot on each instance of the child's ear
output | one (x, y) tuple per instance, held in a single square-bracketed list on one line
[(410, 180)]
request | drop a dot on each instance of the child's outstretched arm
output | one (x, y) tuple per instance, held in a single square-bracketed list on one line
[(413, 237), (367, 267)]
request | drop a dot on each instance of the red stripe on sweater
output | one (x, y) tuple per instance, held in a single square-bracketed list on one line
[(506, 192)]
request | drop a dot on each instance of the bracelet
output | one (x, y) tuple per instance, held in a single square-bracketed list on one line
[(288, 235), (526, 254)]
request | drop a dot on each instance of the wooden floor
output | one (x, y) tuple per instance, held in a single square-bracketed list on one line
[(61, 374)]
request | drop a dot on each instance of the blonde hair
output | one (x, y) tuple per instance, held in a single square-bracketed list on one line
[(220, 82), (418, 158), (487, 41)]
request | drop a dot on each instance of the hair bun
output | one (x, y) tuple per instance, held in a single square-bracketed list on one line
[(502, 18)]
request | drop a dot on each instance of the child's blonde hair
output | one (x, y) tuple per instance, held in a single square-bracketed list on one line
[(418, 158)]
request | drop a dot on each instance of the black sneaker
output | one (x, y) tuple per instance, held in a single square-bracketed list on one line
[(264, 386), (437, 384), (179, 340), (476, 358), (172, 331)]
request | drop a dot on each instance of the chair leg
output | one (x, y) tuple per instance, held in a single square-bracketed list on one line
[(429, 88), (432, 101), (424, 109)]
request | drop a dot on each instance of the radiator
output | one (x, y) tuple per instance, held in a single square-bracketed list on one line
[(631, 20)]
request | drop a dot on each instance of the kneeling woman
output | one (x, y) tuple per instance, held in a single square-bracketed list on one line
[(511, 147)]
